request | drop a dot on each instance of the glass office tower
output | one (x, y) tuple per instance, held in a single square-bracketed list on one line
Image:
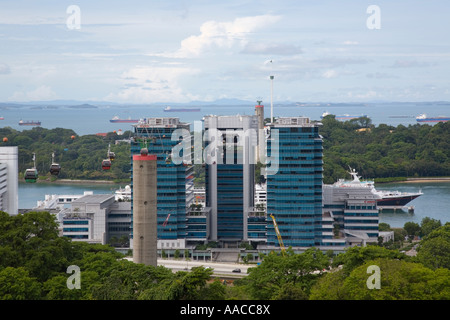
[(230, 169), (294, 190), (175, 186)]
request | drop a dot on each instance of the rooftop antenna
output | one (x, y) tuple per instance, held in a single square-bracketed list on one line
[(271, 94)]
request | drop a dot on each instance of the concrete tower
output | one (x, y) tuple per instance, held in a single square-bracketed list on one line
[(144, 209)]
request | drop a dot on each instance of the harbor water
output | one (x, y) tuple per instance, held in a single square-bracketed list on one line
[(95, 119)]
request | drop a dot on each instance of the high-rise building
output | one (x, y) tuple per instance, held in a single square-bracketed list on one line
[(175, 186), (9, 180), (230, 175), (294, 189)]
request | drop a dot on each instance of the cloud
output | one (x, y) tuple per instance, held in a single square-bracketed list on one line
[(412, 64), (330, 74), (41, 93), (147, 84), (223, 35), (271, 49), (350, 43), (381, 75), (4, 69)]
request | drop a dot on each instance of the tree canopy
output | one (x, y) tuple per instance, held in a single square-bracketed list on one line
[(80, 157), (34, 261), (384, 151)]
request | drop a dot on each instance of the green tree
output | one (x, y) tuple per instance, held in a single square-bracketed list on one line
[(412, 229), (434, 249), (17, 284), (399, 280), (428, 225), (286, 276), (182, 286), (353, 257)]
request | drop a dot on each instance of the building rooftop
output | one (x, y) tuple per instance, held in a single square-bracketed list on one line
[(164, 122), (293, 122), (94, 198)]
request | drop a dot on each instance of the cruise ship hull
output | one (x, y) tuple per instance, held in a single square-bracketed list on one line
[(396, 202)]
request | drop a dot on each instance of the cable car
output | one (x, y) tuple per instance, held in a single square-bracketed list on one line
[(106, 164), (168, 159), (55, 168), (111, 155), (31, 174)]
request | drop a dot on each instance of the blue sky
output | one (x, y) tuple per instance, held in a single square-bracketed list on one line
[(182, 51)]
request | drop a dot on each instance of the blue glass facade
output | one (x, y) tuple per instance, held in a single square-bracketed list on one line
[(294, 191), (175, 183), (230, 201)]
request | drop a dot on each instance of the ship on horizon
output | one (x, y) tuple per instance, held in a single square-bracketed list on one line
[(423, 118), (170, 109), (29, 123), (116, 119), (342, 117)]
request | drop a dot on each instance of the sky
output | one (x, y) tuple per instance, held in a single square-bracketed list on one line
[(182, 51)]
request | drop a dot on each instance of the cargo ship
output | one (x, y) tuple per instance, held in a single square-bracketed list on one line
[(423, 118), (170, 109), (116, 119), (29, 123), (342, 117)]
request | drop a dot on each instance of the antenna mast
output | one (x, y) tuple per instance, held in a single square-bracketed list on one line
[(271, 94)]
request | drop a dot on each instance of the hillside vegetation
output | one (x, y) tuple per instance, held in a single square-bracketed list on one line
[(382, 152), (80, 157)]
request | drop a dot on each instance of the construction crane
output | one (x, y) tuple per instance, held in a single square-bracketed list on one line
[(167, 220), (277, 231)]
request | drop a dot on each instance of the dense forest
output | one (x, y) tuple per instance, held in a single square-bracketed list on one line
[(80, 157), (377, 152), (34, 264), (384, 151)]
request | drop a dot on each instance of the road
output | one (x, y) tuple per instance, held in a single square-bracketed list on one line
[(218, 267)]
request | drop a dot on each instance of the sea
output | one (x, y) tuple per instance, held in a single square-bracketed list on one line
[(92, 119)]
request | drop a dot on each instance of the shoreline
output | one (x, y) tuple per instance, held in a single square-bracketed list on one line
[(77, 181), (81, 181), (412, 180)]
